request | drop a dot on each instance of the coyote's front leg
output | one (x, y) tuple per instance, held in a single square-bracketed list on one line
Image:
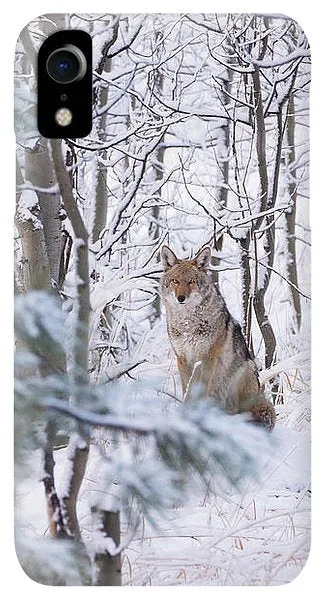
[(184, 372), (190, 375)]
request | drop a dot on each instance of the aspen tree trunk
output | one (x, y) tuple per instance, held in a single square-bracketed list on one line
[(101, 191), (38, 166), (261, 286), (154, 228), (100, 100), (39, 172), (247, 295), (107, 568), (222, 192), (35, 269), (78, 449), (290, 215), (108, 565)]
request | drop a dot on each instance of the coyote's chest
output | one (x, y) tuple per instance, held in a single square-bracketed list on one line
[(191, 337)]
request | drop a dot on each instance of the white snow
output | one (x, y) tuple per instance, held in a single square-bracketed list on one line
[(256, 536)]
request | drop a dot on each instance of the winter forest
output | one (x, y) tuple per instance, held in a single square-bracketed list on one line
[(200, 138)]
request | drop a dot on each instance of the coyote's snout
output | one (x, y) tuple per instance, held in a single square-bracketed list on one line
[(207, 341)]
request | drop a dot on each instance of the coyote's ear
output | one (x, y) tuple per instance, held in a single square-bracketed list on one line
[(202, 259), (168, 257)]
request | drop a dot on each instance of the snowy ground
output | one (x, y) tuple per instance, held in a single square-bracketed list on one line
[(259, 536)]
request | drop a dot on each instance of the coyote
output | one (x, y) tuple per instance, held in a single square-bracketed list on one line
[(208, 342)]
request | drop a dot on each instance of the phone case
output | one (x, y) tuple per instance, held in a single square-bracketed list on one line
[(162, 307)]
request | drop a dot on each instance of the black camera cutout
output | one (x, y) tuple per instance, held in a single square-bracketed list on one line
[(65, 82)]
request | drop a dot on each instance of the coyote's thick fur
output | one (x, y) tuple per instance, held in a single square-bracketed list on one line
[(208, 342)]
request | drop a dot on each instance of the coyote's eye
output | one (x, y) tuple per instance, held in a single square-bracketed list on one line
[(175, 281), (191, 282)]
